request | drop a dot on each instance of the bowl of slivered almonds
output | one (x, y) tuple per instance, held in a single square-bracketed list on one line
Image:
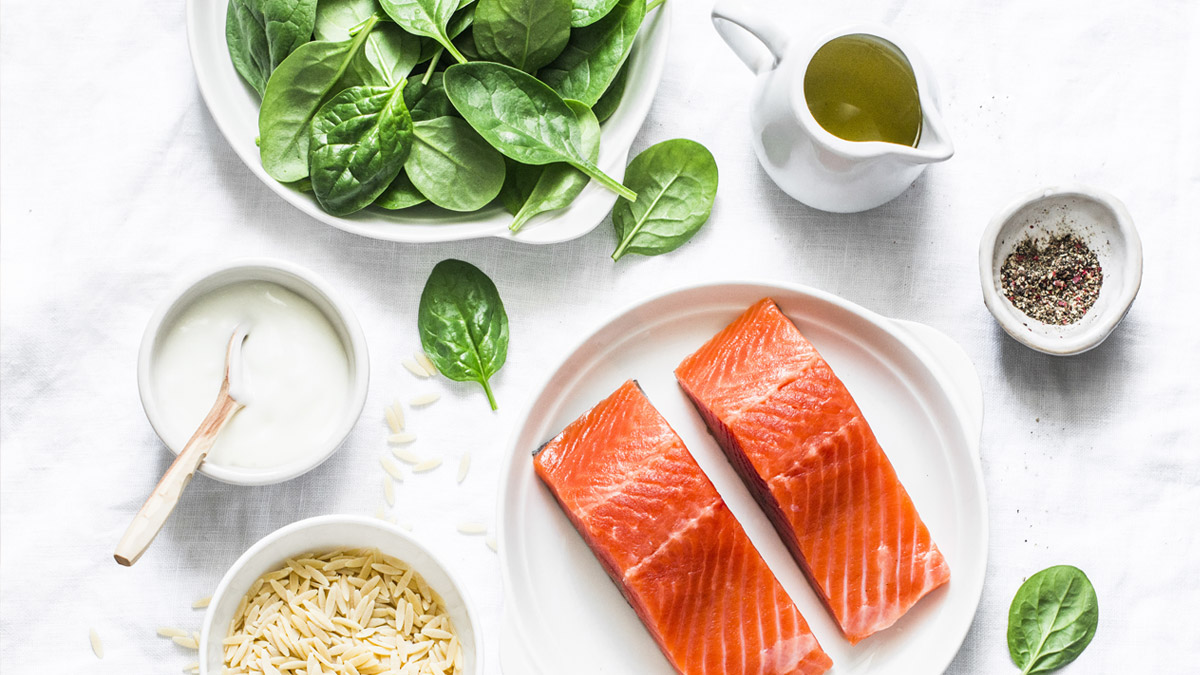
[(331, 592)]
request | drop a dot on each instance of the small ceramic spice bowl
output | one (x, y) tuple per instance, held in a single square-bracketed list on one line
[(1096, 219)]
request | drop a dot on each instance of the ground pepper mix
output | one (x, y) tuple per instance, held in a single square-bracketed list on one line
[(1055, 282)]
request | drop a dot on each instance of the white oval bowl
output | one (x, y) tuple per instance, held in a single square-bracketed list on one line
[(234, 107), (308, 286), (327, 533), (1099, 219)]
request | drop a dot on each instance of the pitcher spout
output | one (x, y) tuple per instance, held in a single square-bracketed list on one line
[(935, 144)]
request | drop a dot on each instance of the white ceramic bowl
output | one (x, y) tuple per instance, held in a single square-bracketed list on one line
[(308, 286), (234, 107), (326, 533), (1099, 219)]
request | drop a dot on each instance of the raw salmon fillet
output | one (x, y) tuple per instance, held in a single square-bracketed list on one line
[(665, 537), (802, 447)]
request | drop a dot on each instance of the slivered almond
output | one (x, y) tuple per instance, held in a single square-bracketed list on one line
[(424, 399), (427, 465), (464, 465), (423, 359), (390, 467), (415, 368)]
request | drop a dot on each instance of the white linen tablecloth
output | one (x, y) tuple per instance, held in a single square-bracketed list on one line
[(116, 184)]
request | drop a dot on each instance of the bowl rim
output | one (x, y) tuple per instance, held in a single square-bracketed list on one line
[(653, 39), (267, 540), (344, 315), (1131, 255)]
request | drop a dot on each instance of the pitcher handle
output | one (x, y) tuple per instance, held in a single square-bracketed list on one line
[(730, 15)]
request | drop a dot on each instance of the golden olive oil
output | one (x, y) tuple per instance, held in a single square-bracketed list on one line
[(862, 88)]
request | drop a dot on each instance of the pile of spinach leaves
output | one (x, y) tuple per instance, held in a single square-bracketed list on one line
[(393, 103)]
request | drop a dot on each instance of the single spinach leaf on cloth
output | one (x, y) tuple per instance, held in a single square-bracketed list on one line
[(425, 17), (297, 88), (677, 184), (588, 12), (1052, 619), (401, 194), (522, 118), (463, 326), (389, 54), (608, 103), (525, 34), (595, 54), (452, 166), (360, 141), (260, 34), (559, 184)]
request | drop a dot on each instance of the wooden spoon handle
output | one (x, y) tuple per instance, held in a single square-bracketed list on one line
[(153, 514)]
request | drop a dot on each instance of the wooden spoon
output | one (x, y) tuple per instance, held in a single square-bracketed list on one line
[(158, 507)]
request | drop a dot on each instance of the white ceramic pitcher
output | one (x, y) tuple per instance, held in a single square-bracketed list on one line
[(806, 161)]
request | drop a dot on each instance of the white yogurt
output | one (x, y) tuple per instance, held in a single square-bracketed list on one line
[(295, 371)]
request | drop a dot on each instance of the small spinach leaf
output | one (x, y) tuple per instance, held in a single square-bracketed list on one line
[(432, 102), (519, 180), (428, 18), (1052, 619), (401, 194), (260, 34), (594, 54), (588, 12), (453, 167), (522, 117), (560, 184), (525, 34), (360, 141), (677, 181), (389, 54), (297, 88), (608, 103), (462, 323)]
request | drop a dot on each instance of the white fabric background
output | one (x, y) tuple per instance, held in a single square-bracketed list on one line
[(116, 183)]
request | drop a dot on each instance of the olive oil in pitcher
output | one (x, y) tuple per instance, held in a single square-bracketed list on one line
[(862, 88)]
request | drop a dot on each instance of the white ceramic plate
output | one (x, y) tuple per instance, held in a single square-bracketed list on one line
[(916, 387), (234, 107)]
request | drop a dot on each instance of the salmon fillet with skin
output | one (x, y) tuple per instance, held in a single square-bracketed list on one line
[(669, 542), (803, 448)]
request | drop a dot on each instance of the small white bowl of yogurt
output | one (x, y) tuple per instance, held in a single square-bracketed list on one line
[(305, 369)]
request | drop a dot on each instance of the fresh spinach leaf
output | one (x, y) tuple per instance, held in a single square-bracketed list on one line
[(425, 17), (389, 54), (401, 194), (453, 166), (594, 54), (260, 34), (677, 183), (588, 12), (559, 184), (297, 88), (519, 180), (462, 323), (433, 102), (1052, 619), (522, 117), (525, 34), (611, 100), (360, 141)]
